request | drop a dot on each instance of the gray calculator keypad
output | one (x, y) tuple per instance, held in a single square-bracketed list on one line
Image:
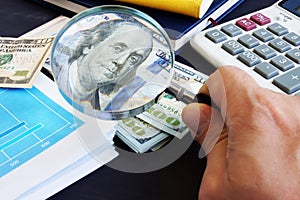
[(266, 70), (280, 45), (231, 30), (249, 58), (263, 35), (292, 38), (282, 63), (294, 55), (270, 50), (289, 82), (277, 29), (216, 36), (233, 47), (265, 51), (248, 41)]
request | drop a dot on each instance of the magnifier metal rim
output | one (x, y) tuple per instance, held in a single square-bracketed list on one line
[(113, 115)]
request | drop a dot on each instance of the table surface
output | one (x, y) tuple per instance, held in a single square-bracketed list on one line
[(179, 180)]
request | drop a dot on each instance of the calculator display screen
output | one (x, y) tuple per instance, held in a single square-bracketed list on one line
[(292, 6)]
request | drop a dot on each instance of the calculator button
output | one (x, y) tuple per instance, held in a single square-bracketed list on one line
[(216, 36), (297, 94), (233, 47), (292, 38), (289, 82), (266, 70), (263, 35), (282, 63), (265, 51), (249, 58), (231, 30), (248, 41), (277, 29), (280, 45), (246, 24), (294, 55), (260, 19)]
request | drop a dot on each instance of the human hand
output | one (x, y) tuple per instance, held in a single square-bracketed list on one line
[(256, 152)]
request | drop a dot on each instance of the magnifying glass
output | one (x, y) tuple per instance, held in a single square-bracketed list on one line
[(112, 62)]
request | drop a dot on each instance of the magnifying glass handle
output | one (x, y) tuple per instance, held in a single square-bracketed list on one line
[(187, 97), (203, 98)]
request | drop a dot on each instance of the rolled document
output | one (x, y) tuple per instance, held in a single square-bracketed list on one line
[(193, 8)]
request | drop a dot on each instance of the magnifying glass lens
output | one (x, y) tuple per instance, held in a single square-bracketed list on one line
[(112, 61)]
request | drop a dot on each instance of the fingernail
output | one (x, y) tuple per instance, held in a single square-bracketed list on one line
[(190, 116), (195, 117), (202, 153)]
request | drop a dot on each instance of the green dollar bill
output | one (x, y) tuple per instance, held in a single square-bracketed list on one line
[(166, 115), (139, 135), (21, 60)]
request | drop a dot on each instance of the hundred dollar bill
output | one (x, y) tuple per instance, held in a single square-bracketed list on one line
[(139, 135), (188, 78), (21, 60), (166, 115), (185, 76)]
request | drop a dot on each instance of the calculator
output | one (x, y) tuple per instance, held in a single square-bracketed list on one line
[(265, 44)]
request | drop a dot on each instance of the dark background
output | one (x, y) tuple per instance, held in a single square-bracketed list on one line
[(179, 180)]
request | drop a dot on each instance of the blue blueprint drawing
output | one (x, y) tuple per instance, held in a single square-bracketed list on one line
[(30, 123)]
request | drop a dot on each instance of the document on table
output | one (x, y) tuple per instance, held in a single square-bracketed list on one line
[(43, 142)]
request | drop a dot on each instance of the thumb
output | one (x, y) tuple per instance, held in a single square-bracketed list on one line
[(206, 125), (196, 117)]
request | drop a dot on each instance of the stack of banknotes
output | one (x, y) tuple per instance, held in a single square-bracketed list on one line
[(156, 126)]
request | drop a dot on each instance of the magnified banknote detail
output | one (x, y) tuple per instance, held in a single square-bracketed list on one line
[(116, 63), (106, 63)]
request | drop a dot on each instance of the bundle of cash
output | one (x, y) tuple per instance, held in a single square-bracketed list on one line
[(139, 135), (162, 121), (166, 116), (21, 60)]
